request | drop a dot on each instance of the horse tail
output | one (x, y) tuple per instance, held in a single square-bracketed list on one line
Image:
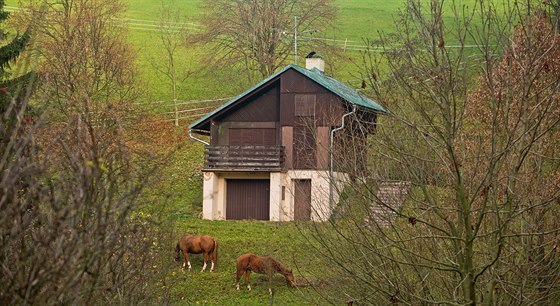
[(177, 250), (215, 252)]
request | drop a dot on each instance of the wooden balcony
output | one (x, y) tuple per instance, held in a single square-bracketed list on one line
[(244, 158)]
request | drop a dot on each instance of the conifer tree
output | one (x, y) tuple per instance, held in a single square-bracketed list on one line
[(9, 52)]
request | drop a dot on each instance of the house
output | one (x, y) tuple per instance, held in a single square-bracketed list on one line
[(272, 149)]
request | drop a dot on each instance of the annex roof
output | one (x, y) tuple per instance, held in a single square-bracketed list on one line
[(333, 85)]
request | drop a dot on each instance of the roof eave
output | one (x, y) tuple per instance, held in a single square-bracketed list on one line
[(205, 121)]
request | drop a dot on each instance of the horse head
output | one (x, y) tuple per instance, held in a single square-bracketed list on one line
[(290, 279)]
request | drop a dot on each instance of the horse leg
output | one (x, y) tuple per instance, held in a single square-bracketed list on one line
[(270, 283), (205, 261), (187, 260), (237, 277), (247, 273)]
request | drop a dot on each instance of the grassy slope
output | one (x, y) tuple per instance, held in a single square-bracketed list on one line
[(182, 180), (235, 238), (357, 19)]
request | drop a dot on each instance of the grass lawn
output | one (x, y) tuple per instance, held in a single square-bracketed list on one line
[(280, 240)]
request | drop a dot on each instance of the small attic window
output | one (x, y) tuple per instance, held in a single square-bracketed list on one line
[(305, 105)]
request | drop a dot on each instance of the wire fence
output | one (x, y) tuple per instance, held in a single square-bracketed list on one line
[(179, 111), (146, 25)]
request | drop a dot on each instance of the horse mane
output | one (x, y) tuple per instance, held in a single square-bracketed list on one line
[(280, 266)]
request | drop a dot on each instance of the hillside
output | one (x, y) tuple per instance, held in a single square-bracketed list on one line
[(470, 136)]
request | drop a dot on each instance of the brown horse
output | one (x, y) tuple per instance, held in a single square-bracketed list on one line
[(196, 245), (262, 265)]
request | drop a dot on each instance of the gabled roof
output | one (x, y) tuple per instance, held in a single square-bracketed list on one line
[(333, 85)]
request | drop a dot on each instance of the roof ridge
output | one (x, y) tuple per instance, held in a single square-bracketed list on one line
[(335, 86)]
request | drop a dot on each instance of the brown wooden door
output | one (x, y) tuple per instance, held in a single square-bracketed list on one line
[(302, 200), (247, 199)]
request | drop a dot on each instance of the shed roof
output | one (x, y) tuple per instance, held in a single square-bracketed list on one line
[(333, 85)]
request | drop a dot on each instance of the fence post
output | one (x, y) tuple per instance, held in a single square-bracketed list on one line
[(176, 112)]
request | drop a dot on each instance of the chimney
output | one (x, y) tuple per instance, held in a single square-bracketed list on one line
[(315, 62)]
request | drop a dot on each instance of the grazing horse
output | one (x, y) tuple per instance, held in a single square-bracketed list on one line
[(196, 245), (262, 265)]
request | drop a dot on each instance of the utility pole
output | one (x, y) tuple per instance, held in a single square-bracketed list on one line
[(296, 37), (295, 40)]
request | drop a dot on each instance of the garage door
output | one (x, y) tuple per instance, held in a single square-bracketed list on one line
[(247, 199)]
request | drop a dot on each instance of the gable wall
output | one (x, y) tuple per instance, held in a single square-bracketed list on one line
[(307, 113), (262, 108), (256, 113), (294, 86)]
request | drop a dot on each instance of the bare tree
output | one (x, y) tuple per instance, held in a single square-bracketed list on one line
[(172, 34), (260, 34), (70, 185), (83, 53), (473, 137)]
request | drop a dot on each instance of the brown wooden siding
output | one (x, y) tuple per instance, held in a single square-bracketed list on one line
[(294, 82), (287, 108), (261, 108), (302, 200), (247, 199), (323, 147), (350, 151), (295, 88), (304, 105), (288, 143), (305, 148), (224, 137), (214, 135), (256, 137), (329, 109)]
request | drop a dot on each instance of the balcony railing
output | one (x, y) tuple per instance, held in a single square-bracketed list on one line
[(244, 158)]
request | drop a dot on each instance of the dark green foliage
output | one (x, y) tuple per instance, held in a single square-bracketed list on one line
[(9, 52)]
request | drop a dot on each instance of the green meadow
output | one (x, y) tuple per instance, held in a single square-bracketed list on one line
[(280, 240), (358, 21)]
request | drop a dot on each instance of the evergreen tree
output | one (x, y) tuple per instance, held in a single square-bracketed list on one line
[(9, 53)]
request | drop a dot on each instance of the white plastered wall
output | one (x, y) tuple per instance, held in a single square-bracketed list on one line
[(320, 186), (209, 195), (214, 193)]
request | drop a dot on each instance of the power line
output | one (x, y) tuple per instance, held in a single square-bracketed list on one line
[(159, 22), (189, 110), (183, 102)]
